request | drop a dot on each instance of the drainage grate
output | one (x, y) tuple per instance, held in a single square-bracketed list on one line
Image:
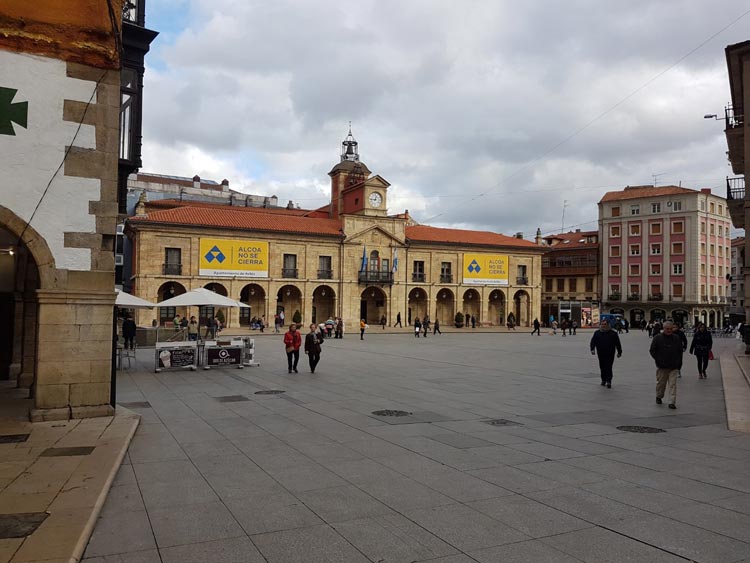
[(389, 412), (501, 422), (20, 525), (136, 405), (13, 438), (270, 392), (63, 452), (232, 399), (641, 429)]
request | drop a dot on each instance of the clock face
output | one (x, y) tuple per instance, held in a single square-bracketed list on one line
[(375, 199)]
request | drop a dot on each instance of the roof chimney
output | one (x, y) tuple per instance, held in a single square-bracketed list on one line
[(538, 239), (290, 205), (578, 230), (224, 184), (706, 191), (196, 181), (519, 235)]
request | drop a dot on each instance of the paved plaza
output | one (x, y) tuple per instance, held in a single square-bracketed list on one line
[(219, 473)]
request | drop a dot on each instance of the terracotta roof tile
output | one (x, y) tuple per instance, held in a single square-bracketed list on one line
[(635, 192), (230, 218), (423, 233), (175, 203), (572, 240)]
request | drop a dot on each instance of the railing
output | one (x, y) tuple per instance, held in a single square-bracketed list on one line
[(418, 276), (614, 296), (733, 119), (522, 280), (172, 269), (656, 297), (677, 298), (325, 274), (634, 297), (446, 278), (736, 188), (289, 272), (375, 277), (704, 298)]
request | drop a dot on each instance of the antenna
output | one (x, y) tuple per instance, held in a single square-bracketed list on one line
[(562, 227), (655, 176)]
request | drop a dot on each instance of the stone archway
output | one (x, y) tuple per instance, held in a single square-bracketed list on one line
[(471, 306), (255, 296), (323, 304), (289, 302), (418, 306), (636, 316), (680, 316), (221, 313), (522, 307), (496, 307), (373, 305), (658, 315), (712, 319), (168, 290), (445, 307)]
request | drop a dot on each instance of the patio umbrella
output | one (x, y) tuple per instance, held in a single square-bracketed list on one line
[(201, 297), (127, 301)]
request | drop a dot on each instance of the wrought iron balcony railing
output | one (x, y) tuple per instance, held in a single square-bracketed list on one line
[(289, 272), (521, 280), (418, 276), (172, 269), (614, 296), (736, 188), (656, 297), (634, 297), (376, 277), (446, 278), (325, 274)]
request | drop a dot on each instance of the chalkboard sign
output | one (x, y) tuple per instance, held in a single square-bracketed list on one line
[(176, 356), (223, 356)]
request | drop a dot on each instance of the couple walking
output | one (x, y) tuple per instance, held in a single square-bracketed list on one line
[(293, 342)]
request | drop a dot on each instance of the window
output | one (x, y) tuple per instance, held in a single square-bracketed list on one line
[(677, 248), (703, 205), (712, 207), (655, 269), (703, 227), (614, 289), (548, 284), (712, 270), (289, 268), (634, 270), (614, 269), (677, 269), (712, 229), (703, 268), (655, 228), (678, 227), (677, 290), (614, 231), (446, 274), (635, 209), (616, 211), (635, 249), (655, 289), (721, 209), (703, 248), (656, 208), (676, 206), (325, 271), (572, 284), (635, 289), (172, 261), (560, 284), (589, 285), (614, 251), (655, 249), (712, 250), (721, 231), (721, 251), (635, 229), (721, 271), (417, 274)]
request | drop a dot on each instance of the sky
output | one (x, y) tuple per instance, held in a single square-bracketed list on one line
[(482, 114)]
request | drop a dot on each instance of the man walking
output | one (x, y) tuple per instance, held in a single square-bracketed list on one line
[(666, 350), (604, 343), (436, 327), (536, 328), (398, 320), (292, 343)]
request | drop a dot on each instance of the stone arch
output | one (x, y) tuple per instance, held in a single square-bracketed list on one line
[(496, 307), (418, 305), (680, 316), (658, 314), (712, 319), (471, 306), (255, 296), (35, 244), (636, 315), (289, 301), (522, 307), (373, 305), (323, 304), (221, 312), (445, 307), (167, 290)]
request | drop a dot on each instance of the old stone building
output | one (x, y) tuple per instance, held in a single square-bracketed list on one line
[(349, 259)]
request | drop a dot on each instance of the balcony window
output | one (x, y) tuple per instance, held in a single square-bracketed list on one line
[(418, 274), (616, 211), (656, 249), (614, 231), (635, 230), (446, 275), (172, 262), (572, 285), (655, 228), (289, 268), (560, 285), (521, 278), (635, 249), (325, 269), (589, 285)]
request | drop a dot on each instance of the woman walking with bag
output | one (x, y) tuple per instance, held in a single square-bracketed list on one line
[(292, 343), (312, 347), (701, 347)]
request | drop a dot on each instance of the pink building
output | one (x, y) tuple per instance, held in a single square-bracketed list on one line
[(665, 254)]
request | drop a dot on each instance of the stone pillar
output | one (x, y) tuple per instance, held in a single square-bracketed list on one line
[(485, 308), (18, 331), (28, 359)]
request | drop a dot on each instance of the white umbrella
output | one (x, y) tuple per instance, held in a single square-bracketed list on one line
[(201, 297), (128, 301)]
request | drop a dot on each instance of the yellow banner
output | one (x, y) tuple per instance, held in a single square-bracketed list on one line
[(485, 269), (233, 257)]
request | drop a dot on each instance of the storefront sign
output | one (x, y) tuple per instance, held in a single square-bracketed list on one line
[(233, 257), (223, 356), (176, 356), (485, 269)]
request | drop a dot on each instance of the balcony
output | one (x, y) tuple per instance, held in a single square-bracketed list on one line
[(171, 269), (446, 278), (615, 296), (736, 201), (418, 277), (735, 133), (677, 298), (522, 280), (634, 297), (370, 276), (656, 297), (325, 274), (289, 273), (704, 298)]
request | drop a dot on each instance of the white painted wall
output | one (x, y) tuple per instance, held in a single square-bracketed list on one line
[(29, 159)]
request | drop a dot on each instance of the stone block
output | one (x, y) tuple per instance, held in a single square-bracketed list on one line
[(92, 412), (61, 351), (96, 332), (94, 314), (56, 314), (47, 415), (51, 396), (91, 281), (63, 371), (87, 394), (61, 333), (101, 371)]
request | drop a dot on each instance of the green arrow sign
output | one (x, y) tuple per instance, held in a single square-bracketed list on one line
[(10, 112)]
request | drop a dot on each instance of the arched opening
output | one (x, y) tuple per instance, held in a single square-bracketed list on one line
[(167, 291), (522, 303), (497, 308), (417, 304), (445, 308), (680, 316), (373, 305), (636, 316), (617, 311), (711, 319), (289, 302), (324, 304), (472, 307), (658, 315), (205, 312), (255, 296)]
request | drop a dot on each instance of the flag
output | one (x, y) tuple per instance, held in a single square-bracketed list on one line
[(363, 267), (395, 261)]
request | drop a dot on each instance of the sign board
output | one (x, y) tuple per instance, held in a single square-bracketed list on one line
[(485, 269), (171, 355), (241, 258), (217, 356)]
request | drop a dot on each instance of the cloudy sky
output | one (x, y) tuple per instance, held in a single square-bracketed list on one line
[(485, 114)]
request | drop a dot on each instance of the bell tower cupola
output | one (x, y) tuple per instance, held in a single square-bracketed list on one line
[(347, 173)]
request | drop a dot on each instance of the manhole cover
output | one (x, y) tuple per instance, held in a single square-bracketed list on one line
[(20, 525), (13, 438), (136, 405), (270, 392), (641, 429), (232, 399), (501, 422), (64, 452), (389, 412)]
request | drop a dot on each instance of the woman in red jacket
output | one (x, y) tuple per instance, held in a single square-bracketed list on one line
[(292, 343)]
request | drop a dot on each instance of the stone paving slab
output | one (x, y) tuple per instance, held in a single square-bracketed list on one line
[(313, 475)]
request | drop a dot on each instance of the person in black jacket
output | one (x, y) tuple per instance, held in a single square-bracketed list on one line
[(128, 333), (700, 346), (604, 343), (666, 350), (313, 342)]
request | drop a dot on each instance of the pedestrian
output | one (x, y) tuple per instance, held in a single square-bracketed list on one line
[(398, 320), (313, 342), (176, 322), (700, 346), (292, 343), (340, 328), (473, 322), (211, 328), (425, 326), (417, 327), (193, 329), (184, 323), (564, 326), (626, 325), (681, 333), (573, 327), (604, 343), (362, 327), (666, 350), (467, 318), (262, 323), (656, 329), (128, 333), (554, 327), (436, 327), (276, 322), (282, 316), (383, 321), (537, 326)]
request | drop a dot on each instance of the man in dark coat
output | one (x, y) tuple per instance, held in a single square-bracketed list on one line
[(605, 343), (666, 350), (128, 333), (701, 347)]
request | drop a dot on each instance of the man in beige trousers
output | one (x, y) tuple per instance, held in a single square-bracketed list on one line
[(666, 350)]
